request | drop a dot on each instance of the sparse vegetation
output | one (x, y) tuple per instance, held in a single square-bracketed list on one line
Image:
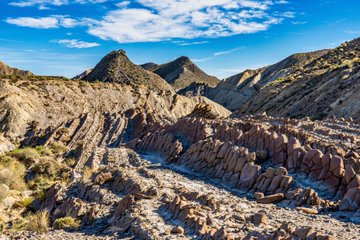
[(70, 162), (25, 155), (87, 174), (23, 203), (12, 173), (38, 222), (66, 223)]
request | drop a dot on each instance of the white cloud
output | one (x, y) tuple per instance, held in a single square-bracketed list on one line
[(352, 31), (54, 21), (197, 60), (285, 14), (299, 22), (75, 43), (152, 21), (45, 22), (281, 2), (162, 20), (216, 54), (228, 51), (184, 43), (43, 3), (123, 4)]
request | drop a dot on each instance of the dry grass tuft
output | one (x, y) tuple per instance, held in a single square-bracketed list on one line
[(66, 223), (12, 173), (87, 174), (38, 222)]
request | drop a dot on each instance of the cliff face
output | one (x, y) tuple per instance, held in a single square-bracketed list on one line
[(52, 102)]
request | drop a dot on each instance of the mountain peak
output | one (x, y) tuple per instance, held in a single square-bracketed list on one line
[(7, 70), (122, 52), (117, 67), (182, 72), (183, 59)]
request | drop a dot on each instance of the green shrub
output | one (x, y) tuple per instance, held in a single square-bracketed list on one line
[(66, 223), (57, 148), (26, 155), (43, 151), (41, 182)]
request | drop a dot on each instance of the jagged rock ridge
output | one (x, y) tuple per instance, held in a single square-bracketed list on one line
[(182, 72), (316, 84)]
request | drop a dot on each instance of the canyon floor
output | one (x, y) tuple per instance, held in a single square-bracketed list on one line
[(230, 208)]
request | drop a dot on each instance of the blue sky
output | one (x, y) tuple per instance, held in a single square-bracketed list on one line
[(223, 37)]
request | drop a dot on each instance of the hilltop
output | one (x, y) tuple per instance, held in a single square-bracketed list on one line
[(116, 67), (181, 73), (7, 70)]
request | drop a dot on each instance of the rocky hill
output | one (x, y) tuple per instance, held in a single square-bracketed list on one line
[(316, 84), (181, 73), (121, 155), (116, 67), (6, 70), (149, 66)]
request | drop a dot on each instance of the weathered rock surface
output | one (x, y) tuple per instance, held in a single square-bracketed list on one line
[(181, 73), (315, 84), (200, 175)]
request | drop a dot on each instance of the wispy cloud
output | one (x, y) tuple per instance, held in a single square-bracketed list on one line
[(356, 32), (123, 4), (54, 21), (285, 14), (75, 43), (228, 51), (299, 22), (281, 2), (216, 54), (184, 43), (42, 4), (336, 43), (197, 60), (46, 62)]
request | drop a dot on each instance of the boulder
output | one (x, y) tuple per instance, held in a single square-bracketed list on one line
[(337, 166), (271, 198), (303, 232), (177, 230), (259, 219), (249, 175)]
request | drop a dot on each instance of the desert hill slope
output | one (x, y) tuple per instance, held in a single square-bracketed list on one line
[(150, 66), (6, 70), (316, 84), (181, 72), (121, 155)]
